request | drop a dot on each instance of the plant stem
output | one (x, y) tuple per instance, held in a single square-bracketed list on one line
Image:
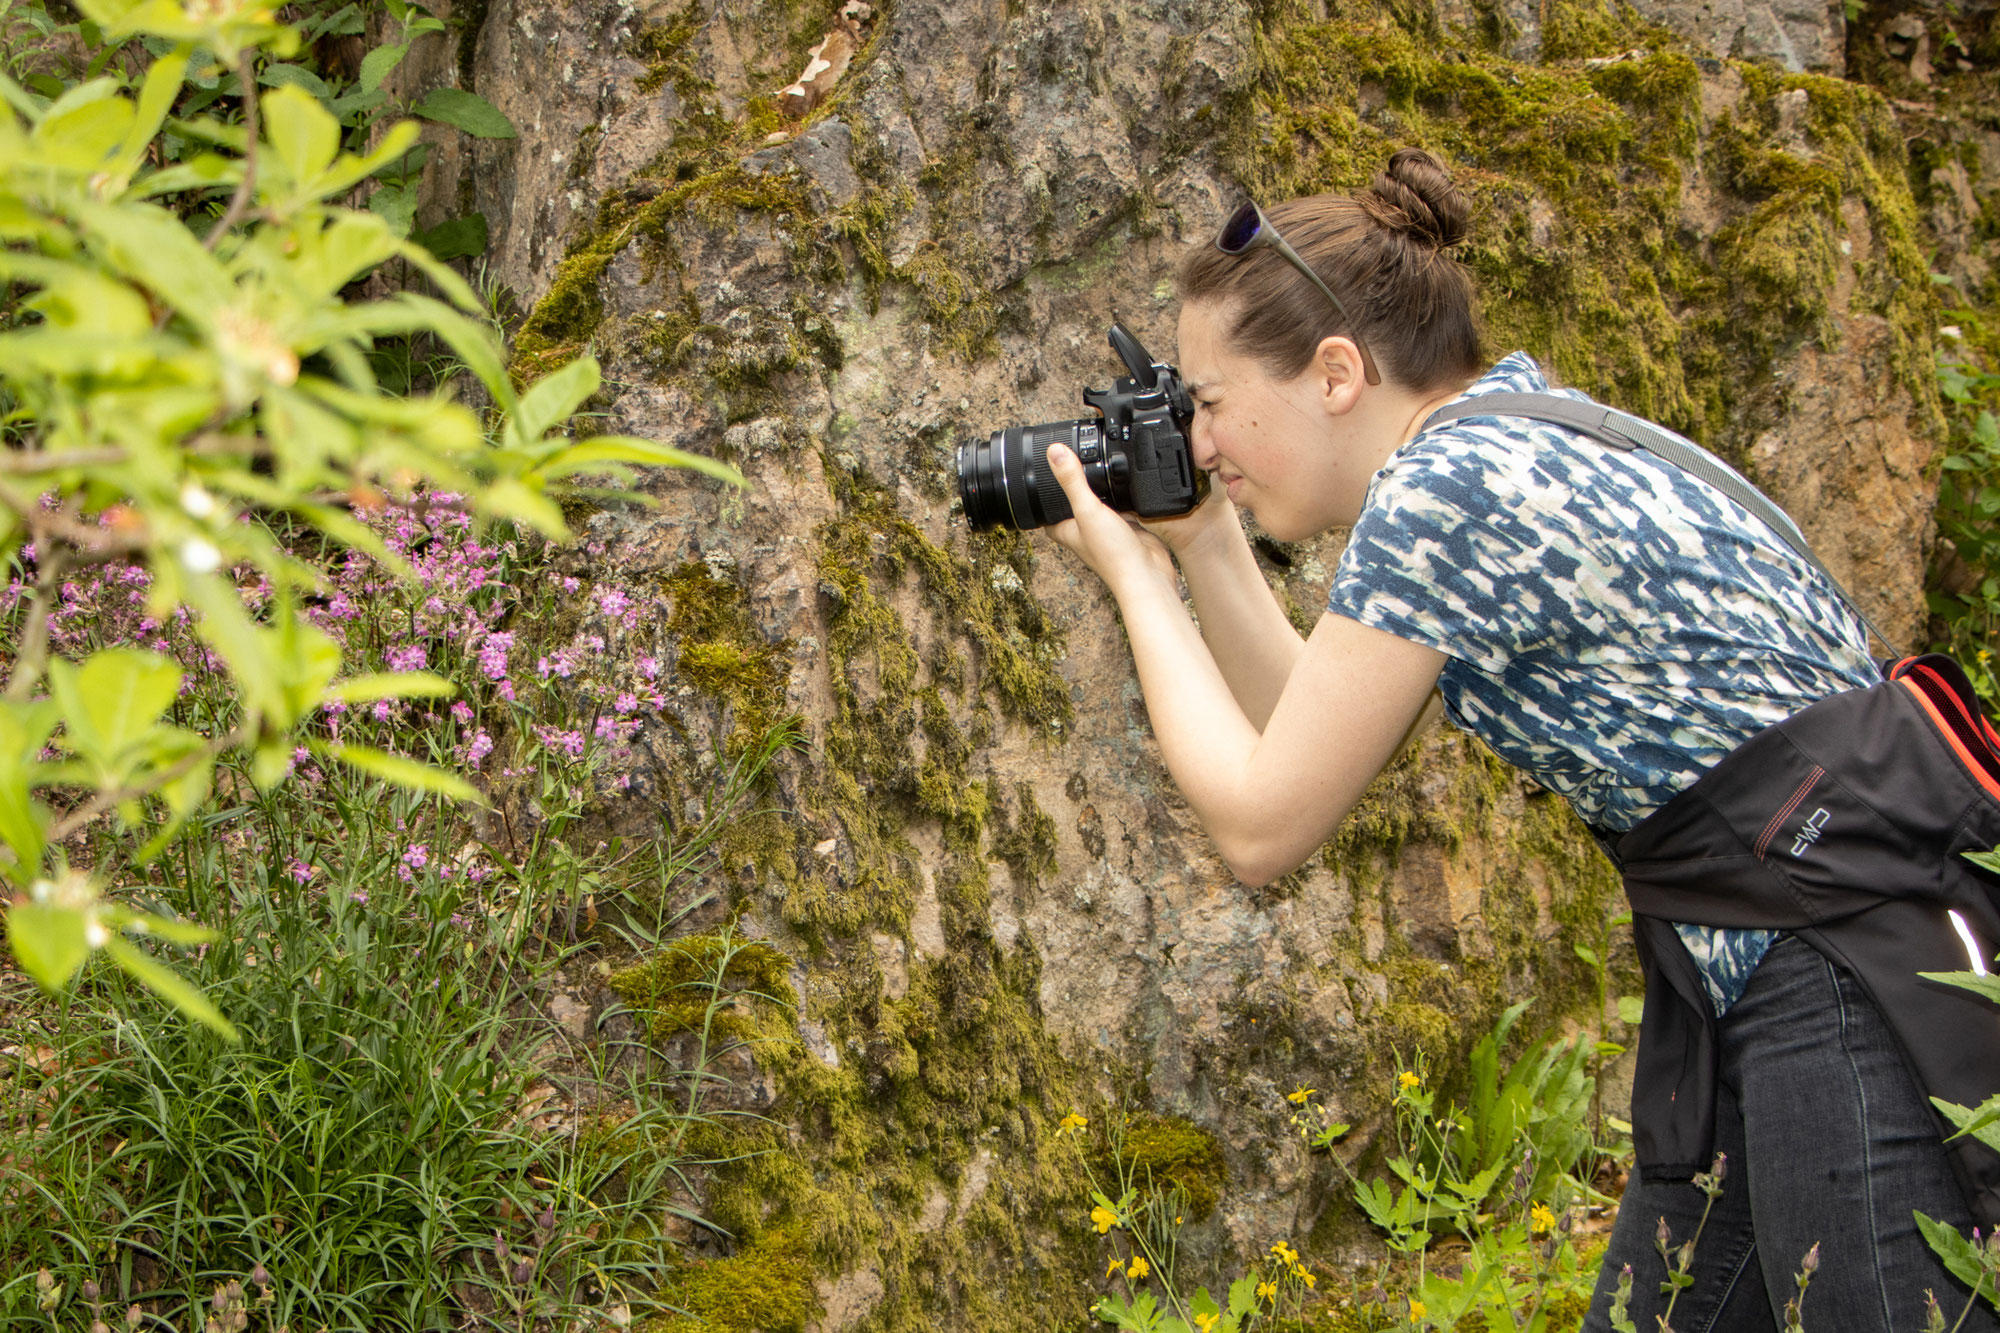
[(33, 653), (239, 203), (1667, 1318), (1970, 1302)]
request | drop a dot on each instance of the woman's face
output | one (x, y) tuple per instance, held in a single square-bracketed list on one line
[(1284, 449)]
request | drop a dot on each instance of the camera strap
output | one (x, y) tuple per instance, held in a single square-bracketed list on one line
[(1625, 432)]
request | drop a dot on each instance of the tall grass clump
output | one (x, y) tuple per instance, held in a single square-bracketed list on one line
[(400, 1138)]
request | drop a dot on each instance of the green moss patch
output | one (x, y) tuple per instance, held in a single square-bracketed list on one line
[(708, 985), (766, 1287), (1162, 1154)]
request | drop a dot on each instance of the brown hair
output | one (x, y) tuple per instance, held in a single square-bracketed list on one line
[(1384, 251)]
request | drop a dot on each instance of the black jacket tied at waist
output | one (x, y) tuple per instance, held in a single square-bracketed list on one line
[(1844, 825)]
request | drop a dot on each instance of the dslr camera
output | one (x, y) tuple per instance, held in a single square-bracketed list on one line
[(1136, 453)]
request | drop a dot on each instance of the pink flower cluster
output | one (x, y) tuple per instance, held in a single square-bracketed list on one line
[(580, 704)]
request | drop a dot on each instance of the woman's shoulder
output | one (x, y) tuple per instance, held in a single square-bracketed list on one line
[(1503, 444)]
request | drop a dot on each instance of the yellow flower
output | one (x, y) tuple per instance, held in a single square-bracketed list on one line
[(1309, 1279), (1408, 1079), (1104, 1218), (1139, 1267), (1177, 1221), (1540, 1218), (1416, 1311), (1205, 1322), (1074, 1121), (1266, 1290), (1112, 1267), (1300, 1094)]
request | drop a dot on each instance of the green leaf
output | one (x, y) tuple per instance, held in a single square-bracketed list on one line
[(395, 205), (169, 985), (466, 111), (510, 499), (350, 170), (1631, 1009), (1587, 954), (406, 773), (183, 796), (1957, 1253), (375, 66), (48, 941), (1983, 1124), (473, 342), (124, 692), (1979, 983), (599, 450), (295, 76), (392, 685), (156, 98), (302, 133), (346, 21), (458, 238), (168, 928), (553, 400), (1243, 1297), (24, 728)]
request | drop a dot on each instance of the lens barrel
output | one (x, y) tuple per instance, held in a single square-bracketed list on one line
[(1005, 481)]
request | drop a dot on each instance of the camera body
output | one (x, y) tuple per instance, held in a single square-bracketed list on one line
[(1136, 453)]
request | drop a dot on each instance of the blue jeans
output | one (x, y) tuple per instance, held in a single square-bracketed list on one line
[(1828, 1142)]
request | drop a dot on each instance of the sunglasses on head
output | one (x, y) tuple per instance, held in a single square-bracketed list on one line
[(1247, 229)]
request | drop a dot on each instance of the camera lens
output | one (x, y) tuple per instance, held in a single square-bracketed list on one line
[(1005, 481)]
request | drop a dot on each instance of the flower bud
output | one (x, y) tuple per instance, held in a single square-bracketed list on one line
[(1721, 1167), (1661, 1236), (545, 1221), (523, 1271), (1810, 1264), (500, 1250), (260, 1276), (90, 1290)]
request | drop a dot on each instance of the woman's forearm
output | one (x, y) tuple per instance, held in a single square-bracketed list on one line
[(1204, 736), (1253, 643)]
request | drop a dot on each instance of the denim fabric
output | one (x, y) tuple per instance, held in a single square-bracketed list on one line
[(1828, 1141)]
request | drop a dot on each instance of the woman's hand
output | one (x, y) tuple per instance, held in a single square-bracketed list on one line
[(1186, 533), (1111, 544)]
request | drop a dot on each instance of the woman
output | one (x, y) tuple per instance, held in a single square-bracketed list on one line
[(1601, 619)]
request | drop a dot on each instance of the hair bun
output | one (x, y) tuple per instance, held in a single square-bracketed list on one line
[(1414, 197)]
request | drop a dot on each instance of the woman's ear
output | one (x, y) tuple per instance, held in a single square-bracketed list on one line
[(1338, 367)]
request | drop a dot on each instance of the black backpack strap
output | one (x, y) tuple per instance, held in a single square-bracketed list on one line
[(1625, 432)]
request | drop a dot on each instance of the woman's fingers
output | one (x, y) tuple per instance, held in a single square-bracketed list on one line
[(1070, 473)]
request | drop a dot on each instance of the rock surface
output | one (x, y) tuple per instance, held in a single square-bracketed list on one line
[(998, 906)]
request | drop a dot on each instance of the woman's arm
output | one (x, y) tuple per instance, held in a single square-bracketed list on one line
[(1268, 798), (1253, 642)]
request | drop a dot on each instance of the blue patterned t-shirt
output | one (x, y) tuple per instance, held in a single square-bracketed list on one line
[(1614, 626)]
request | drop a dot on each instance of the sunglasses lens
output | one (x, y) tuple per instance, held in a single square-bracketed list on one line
[(1239, 231)]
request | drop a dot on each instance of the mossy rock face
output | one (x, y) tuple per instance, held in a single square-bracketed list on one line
[(975, 877)]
